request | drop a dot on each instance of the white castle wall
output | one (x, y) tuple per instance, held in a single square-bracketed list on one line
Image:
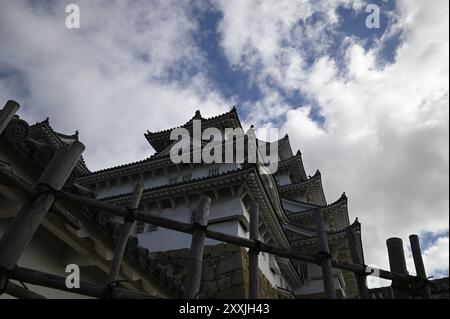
[(124, 186), (283, 179), (165, 239), (45, 253), (293, 207)]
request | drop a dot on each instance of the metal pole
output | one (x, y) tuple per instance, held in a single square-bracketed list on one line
[(397, 263), (327, 270), (194, 277), (418, 263), (253, 253), (128, 227)]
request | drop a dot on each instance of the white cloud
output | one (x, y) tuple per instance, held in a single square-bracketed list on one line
[(435, 257), (384, 139), (112, 78), (385, 136)]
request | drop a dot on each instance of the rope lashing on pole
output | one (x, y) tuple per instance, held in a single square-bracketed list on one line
[(321, 256), (198, 226), (258, 247), (131, 216), (45, 189), (109, 289)]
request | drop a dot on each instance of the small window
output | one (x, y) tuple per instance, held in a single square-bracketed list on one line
[(173, 180), (140, 227), (303, 271), (193, 217), (152, 228), (213, 171), (187, 178)]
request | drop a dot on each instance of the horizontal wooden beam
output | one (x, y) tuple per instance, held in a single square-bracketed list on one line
[(20, 292), (90, 289), (235, 240)]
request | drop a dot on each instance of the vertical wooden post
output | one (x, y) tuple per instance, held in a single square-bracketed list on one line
[(194, 277), (29, 217), (327, 270), (356, 259), (397, 264), (418, 263), (128, 227), (253, 254), (7, 113)]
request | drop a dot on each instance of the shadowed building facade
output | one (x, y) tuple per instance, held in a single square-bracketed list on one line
[(156, 258)]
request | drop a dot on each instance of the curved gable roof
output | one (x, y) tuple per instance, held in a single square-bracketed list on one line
[(161, 139)]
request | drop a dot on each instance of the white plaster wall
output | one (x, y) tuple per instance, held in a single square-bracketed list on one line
[(123, 188), (274, 278), (283, 179), (316, 286), (165, 239), (44, 253), (242, 232), (315, 282), (294, 207)]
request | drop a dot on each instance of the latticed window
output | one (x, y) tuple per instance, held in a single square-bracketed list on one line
[(213, 171), (187, 178), (173, 180), (152, 228), (303, 271), (140, 227)]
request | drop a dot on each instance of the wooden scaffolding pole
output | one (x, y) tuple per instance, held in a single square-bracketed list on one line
[(40, 278), (235, 240), (7, 114), (418, 263), (194, 277), (397, 263), (22, 228), (253, 253), (356, 259), (20, 292), (324, 256), (11, 178), (128, 227)]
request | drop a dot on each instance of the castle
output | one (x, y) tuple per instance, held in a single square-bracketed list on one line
[(155, 260)]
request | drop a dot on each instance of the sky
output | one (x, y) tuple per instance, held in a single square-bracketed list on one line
[(369, 107)]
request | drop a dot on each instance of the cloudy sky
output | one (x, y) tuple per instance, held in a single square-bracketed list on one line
[(368, 107)]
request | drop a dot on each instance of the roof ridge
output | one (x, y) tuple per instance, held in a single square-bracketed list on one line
[(338, 201), (196, 116)]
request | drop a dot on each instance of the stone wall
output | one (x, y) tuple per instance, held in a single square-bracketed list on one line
[(224, 271), (265, 289)]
